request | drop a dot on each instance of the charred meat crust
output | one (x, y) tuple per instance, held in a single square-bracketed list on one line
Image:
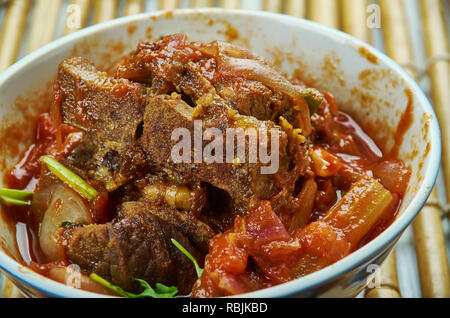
[(197, 69), (196, 231), (115, 161), (109, 112), (243, 182), (127, 123), (136, 246)]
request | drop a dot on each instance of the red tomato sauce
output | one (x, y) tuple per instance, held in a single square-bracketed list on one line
[(259, 252), (25, 176)]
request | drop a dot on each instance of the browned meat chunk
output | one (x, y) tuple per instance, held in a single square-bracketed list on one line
[(246, 81), (244, 181), (139, 246), (109, 112), (43, 195), (198, 232), (252, 98), (128, 133), (128, 124)]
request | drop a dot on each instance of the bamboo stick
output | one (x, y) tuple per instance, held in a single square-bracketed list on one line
[(296, 8), (83, 7), (133, 7), (230, 4), (202, 3), (388, 278), (354, 19), (43, 25), (382, 292), (325, 12), (168, 4), (11, 291), (272, 5), (395, 31), (12, 30), (105, 10), (429, 242), (427, 227), (436, 44)]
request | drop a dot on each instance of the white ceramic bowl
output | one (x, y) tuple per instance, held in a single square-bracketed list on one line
[(366, 84)]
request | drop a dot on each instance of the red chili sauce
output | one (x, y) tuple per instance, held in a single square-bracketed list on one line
[(25, 176), (258, 251)]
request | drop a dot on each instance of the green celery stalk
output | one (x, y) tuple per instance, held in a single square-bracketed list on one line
[(72, 179), (15, 194), (13, 201), (313, 98)]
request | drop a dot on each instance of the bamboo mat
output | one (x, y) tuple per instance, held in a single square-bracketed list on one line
[(413, 32)]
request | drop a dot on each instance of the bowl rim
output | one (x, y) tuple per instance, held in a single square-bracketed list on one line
[(55, 289)]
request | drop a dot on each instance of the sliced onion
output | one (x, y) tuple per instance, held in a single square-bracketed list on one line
[(256, 71), (66, 207), (233, 60)]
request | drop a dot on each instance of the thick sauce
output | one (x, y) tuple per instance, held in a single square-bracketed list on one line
[(341, 153), (259, 251), (25, 175)]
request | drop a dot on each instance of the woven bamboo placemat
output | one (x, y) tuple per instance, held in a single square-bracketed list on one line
[(413, 32)]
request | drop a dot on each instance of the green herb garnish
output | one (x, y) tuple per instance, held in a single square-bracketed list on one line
[(15, 194), (198, 269), (313, 98), (72, 179), (14, 201), (160, 290), (15, 197), (67, 225)]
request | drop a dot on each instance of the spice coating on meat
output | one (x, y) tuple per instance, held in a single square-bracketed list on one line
[(128, 123), (136, 246), (243, 182), (116, 157), (196, 231), (109, 112), (246, 81)]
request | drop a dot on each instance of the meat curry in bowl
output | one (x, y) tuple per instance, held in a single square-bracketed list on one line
[(102, 192)]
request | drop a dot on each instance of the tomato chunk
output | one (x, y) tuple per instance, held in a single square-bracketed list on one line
[(259, 252), (393, 175)]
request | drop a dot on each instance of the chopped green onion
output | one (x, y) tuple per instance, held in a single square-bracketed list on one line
[(198, 269), (14, 201), (72, 179), (313, 97), (15, 197), (15, 194), (160, 290)]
